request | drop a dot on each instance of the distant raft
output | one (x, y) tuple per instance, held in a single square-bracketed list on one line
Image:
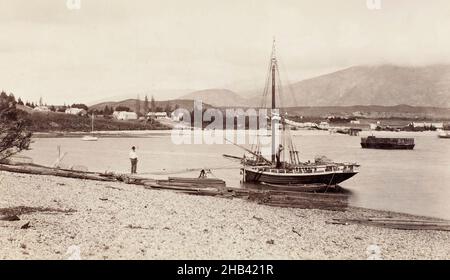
[(372, 142)]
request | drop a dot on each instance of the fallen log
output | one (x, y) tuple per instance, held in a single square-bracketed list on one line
[(307, 206), (40, 170), (205, 181), (192, 191), (402, 224)]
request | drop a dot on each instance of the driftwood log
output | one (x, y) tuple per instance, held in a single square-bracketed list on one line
[(402, 224), (41, 170)]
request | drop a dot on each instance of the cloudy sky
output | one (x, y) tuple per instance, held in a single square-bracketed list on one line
[(109, 49)]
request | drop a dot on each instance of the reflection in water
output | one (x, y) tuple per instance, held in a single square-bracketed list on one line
[(333, 198)]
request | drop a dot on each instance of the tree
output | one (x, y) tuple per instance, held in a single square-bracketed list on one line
[(153, 104), (80, 106), (11, 98), (40, 101), (14, 136), (3, 99), (168, 108), (122, 108), (61, 109), (19, 101), (107, 110), (146, 105), (138, 106)]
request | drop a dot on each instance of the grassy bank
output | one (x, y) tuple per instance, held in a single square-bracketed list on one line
[(60, 122)]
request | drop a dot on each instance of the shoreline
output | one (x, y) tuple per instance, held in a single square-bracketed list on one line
[(149, 133), (118, 221)]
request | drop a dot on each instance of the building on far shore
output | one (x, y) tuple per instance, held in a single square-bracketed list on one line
[(324, 125), (157, 115), (123, 115), (41, 109), (76, 111), (426, 125)]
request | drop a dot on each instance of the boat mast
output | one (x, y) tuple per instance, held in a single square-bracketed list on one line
[(92, 123), (274, 127)]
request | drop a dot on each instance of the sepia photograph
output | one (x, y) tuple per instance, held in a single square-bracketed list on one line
[(251, 130)]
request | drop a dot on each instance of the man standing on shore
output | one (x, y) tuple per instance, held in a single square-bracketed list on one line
[(133, 159)]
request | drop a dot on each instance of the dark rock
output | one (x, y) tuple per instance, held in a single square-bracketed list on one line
[(25, 226)]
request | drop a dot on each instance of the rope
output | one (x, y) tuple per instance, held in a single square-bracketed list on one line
[(332, 177)]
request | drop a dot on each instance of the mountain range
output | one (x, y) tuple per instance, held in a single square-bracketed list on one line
[(383, 85), (386, 85)]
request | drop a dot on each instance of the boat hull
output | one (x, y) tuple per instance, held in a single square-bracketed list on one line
[(387, 146), (372, 142), (326, 178)]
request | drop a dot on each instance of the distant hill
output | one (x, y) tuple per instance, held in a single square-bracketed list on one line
[(217, 97), (383, 85), (386, 85), (131, 103)]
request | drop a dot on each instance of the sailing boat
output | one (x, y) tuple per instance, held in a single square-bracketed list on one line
[(90, 137), (444, 134), (278, 171)]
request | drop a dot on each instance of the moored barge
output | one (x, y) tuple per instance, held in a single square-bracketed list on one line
[(372, 142)]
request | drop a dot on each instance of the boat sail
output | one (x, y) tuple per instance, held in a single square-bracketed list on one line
[(285, 167), (90, 137)]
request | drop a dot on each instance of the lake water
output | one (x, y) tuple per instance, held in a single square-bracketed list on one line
[(415, 182)]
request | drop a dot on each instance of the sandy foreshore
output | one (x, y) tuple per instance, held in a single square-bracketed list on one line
[(119, 221)]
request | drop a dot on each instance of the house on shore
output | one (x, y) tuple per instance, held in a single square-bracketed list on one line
[(427, 125), (76, 111), (41, 109), (157, 115), (123, 115)]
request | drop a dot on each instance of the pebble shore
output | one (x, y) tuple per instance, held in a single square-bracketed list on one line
[(103, 220)]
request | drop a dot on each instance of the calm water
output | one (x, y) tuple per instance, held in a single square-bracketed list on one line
[(416, 182)]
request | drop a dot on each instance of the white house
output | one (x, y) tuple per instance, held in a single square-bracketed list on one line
[(122, 115), (355, 122), (428, 125), (301, 125), (41, 109), (157, 115), (76, 111), (324, 125), (373, 126)]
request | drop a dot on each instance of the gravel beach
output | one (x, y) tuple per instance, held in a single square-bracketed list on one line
[(102, 220)]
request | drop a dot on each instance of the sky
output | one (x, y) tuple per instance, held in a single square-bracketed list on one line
[(110, 49)]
